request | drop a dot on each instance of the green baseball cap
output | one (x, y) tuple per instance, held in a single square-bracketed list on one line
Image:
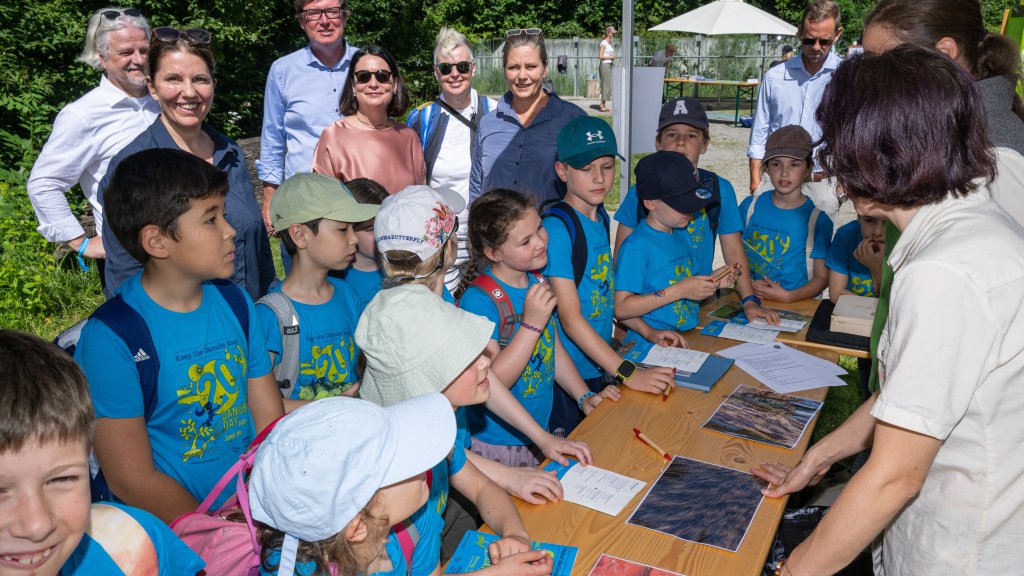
[(307, 196), (584, 139)]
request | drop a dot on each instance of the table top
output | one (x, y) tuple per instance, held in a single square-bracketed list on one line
[(675, 426), (678, 80), (805, 307)]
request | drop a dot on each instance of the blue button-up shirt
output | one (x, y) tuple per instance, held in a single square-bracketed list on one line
[(789, 95), (301, 100), (254, 265), (507, 155)]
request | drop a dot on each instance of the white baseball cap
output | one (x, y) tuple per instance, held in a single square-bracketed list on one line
[(322, 464), (417, 219)]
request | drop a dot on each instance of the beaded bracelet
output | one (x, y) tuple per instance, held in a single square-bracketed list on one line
[(780, 565), (531, 327), (586, 395)]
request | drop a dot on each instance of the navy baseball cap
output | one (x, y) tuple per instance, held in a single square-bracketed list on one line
[(585, 139), (683, 111), (671, 178)]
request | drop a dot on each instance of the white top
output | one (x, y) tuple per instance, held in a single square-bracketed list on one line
[(660, 59), (1008, 187), (451, 172), (952, 362), (86, 135), (609, 51)]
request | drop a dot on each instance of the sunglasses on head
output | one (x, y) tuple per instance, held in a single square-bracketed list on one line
[(825, 42), (521, 31), (445, 68), (363, 76), (115, 14), (190, 35)]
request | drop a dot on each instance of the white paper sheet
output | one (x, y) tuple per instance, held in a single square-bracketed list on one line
[(783, 326), (599, 489), (734, 331), (784, 369), (681, 359)]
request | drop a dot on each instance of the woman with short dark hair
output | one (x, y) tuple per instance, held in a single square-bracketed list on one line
[(368, 142), (904, 136)]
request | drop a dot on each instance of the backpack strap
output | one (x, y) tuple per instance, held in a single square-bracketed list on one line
[(236, 300), (287, 370), (125, 322), (811, 223), (709, 180), (750, 209), (507, 317), (577, 238)]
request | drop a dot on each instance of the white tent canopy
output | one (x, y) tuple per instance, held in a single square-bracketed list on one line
[(727, 17)]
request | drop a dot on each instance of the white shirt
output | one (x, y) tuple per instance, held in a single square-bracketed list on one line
[(789, 95), (1008, 187), (609, 51), (86, 135), (451, 172), (660, 59), (952, 359)]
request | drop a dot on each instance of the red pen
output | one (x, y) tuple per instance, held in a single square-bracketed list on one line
[(643, 438)]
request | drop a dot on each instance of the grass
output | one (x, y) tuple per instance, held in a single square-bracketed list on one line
[(840, 402)]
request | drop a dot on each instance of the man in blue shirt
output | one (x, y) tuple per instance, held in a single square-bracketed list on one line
[(301, 99), (790, 94)]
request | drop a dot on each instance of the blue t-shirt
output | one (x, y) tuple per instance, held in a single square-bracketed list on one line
[(596, 286), (699, 228), (327, 345), (840, 259), (775, 240), (648, 261), (533, 389), (173, 557), (201, 423), (366, 284)]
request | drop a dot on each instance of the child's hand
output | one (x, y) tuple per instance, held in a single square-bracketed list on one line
[(753, 311), (652, 380), (668, 338), (870, 254), (539, 303), (530, 563), (352, 391), (694, 288), (501, 549), (771, 290), (557, 449), (610, 392), (532, 485), (727, 275)]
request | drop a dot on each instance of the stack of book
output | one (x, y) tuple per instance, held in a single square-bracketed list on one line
[(854, 314)]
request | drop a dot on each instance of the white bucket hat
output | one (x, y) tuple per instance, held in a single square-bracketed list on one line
[(417, 219), (415, 343), (320, 465)]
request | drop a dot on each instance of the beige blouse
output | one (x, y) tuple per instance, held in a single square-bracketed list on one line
[(393, 158)]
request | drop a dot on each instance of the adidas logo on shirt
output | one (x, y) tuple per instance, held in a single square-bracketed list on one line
[(140, 356)]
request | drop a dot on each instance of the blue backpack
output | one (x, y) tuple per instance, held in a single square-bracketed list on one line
[(577, 239), (129, 326)]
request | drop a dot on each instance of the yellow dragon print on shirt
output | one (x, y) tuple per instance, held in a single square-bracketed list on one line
[(861, 286), (541, 365), (683, 309), (328, 370), (212, 392), (601, 274), (765, 253)]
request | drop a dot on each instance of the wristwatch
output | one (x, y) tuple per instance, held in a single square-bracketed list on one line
[(752, 298), (625, 371)]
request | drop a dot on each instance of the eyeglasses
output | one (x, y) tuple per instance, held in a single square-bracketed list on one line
[(192, 35), (115, 14), (825, 42), (331, 13), (445, 68), (363, 76), (521, 31)]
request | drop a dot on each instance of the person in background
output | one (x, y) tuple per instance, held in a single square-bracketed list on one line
[(663, 58), (785, 55), (365, 275), (181, 78), (91, 130), (516, 143), (302, 93), (606, 55)]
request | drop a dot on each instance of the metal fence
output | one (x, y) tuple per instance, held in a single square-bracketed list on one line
[(722, 57)]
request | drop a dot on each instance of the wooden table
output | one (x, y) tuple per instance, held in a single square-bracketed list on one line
[(675, 425), (744, 89), (805, 307)]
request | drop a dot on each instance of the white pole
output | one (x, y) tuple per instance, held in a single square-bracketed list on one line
[(625, 107)]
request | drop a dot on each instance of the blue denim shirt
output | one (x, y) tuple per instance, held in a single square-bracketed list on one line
[(507, 155), (254, 265)]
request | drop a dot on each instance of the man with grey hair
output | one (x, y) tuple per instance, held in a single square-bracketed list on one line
[(91, 130), (447, 128)]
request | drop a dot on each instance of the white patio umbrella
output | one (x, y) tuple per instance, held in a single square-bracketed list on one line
[(727, 17)]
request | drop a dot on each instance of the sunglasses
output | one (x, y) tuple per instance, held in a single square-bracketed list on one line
[(521, 31), (191, 35), (115, 14), (445, 68), (825, 42), (331, 13), (363, 76)]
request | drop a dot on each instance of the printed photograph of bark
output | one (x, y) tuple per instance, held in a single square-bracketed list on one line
[(612, 566), (763, 416), (700, 502)]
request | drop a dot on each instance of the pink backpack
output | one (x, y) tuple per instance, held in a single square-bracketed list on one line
[(229, 548)]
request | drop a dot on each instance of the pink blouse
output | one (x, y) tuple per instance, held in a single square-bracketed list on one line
[(393, 158)]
